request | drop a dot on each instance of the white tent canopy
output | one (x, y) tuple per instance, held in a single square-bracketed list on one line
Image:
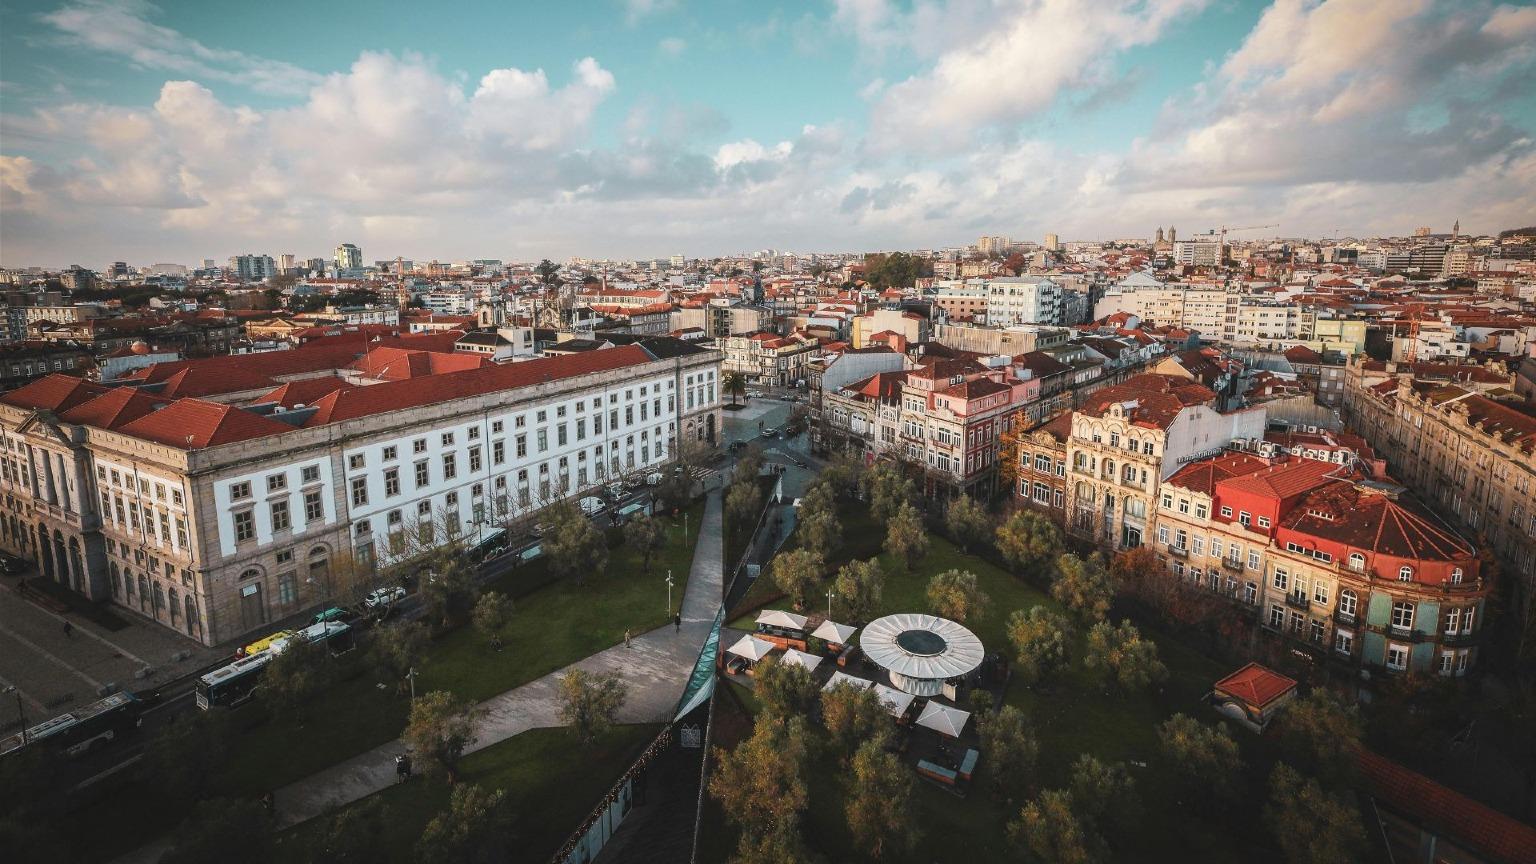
[(839, 678), (793, 657), (943, 719), (780, 618), (894, 700), (837, 634), (752, 648)]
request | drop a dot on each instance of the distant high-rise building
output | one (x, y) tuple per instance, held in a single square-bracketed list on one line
[(1052, 243), (208, 264), (1421, 231), (285, 262), (252, 268), (117, 270), (349, 257), (1159, 234), (315, 266)]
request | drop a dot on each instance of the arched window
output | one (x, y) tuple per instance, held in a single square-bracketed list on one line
[(117, 579), (174, 606), (251, 573), (1357, 562), (1109, 468), (193, 624), (143, 592), (1456, 576), (1405, 574), (1347, 602)]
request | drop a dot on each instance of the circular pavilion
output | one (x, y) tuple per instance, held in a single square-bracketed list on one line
[(921, 651)]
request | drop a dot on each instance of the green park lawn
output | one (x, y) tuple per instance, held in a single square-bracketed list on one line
[(1072, 715), (550, 780)]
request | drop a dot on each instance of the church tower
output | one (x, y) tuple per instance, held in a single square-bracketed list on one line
[(1159, 234), (1173, 234), (1456, 230)]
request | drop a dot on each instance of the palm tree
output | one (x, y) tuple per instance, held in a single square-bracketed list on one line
[(735, 385)]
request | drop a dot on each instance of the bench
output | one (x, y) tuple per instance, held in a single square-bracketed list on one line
[(968, 764), (936, 773)]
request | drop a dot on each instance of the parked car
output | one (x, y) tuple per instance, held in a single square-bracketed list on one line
[(384, 597), (616, 489), (591, 505), (653, 478), (335, 613)]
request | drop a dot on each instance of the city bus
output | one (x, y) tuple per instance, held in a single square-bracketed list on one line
[(234, 684), (493, 544), (81, 729)]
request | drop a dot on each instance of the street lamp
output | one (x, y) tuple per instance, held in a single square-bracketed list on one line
[(669, 591), (20, 713), (830, 595)]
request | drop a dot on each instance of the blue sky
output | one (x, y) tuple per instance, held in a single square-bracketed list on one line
[(620, 128)]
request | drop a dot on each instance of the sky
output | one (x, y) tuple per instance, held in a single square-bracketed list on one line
[(178, 131)]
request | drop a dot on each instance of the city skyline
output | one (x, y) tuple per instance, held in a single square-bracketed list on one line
[(170, 133)]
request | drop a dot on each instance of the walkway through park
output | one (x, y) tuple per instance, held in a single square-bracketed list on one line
[(655, 668)]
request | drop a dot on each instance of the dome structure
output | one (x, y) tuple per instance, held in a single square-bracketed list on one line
[(921, 651)]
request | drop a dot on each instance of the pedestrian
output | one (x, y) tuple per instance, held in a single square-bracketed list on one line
[(267, 803), (69, 630), (626, 639), (677, 623)]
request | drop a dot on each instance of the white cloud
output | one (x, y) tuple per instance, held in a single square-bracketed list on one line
[(638, 9), (123, 28), (672, 46)]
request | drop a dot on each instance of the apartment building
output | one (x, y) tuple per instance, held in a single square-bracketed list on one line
[(1023, 300), (768, 358), (1348, 568), (1458, 437), (217, 517), (1042, 468), (1127, 438)]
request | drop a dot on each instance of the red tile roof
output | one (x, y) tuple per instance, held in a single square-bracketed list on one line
[(192, 424), (304, 391), (1158, 399), (57, 392), (399, 364), (1286, 480), (1500, 837), (1203, 475), (1370, 520), (114, 408), (1257, 685)]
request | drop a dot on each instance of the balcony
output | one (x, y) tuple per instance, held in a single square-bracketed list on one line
[(1346, 618), (1298, 601), (1178, 551), (1232, 564), (1460, 640)]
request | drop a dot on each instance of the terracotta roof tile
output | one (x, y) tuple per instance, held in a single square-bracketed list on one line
[(56, 393), (116, 407), (1500, 837), (193, 424), (1257, 685)]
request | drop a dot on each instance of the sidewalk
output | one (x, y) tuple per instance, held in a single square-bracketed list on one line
[(655, 668)]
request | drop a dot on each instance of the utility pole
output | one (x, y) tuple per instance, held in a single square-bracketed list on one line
[(830, 595), (411, 676), (669, 591), (21, 713)]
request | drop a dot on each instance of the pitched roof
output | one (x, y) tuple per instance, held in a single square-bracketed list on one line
[(1257, 685), (399, 364), (1285, 480), (1500, 837), (303, 391), (1154, 400), (192, 424), (1372, 520), (56, 392), (1203, 475), (116, 407)]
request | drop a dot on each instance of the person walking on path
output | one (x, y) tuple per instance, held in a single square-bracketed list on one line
[(626, 639), (677, 623), (69, 630)]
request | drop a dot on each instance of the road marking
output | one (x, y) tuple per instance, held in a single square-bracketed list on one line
[(79, 629), (49, 655)]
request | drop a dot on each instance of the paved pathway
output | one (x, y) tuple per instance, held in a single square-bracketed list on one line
[(655, 667)]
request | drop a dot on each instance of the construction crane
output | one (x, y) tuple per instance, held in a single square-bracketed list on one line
[(1224, 229)]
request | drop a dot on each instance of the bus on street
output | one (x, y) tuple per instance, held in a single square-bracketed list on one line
[(81, 729)]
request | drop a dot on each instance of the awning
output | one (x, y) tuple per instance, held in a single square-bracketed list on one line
[(894, 700), (752, 648), (793, 657), (839, 678), (836, 633), (780, 618), (943, 719)]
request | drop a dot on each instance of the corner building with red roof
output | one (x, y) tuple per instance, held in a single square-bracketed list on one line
[(218, 496)]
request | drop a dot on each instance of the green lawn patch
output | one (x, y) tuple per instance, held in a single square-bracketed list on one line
[(551, 782)]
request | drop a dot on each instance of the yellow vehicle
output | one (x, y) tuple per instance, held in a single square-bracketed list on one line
[(264, 643)]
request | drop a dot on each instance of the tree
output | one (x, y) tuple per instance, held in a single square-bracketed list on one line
[(590, 701), (547, 270), (1205, 757), (1311, 825), (222, 830), (783, 689), (743, 501), (796, 572), (820, 529), (476, 828), (1135, 570), (1048, 828), (954, 594), (905, 537), (493, 612), (440, 726), (887, 489), (451, 589), (1083, 586), (851, 716), (180, 762), (1029, 541), (761, 785), (1104, 793), (355, 835), (1120, 654), (574, 547), (644, 535), (734, 384), (397, 649), (1011, 749), (1040, 639), (1015, 263), (293, 675), (967, 522), (859, 585), (1320, 734), (879, 808)]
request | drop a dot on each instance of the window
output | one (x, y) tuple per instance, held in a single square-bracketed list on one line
[(423, 473), (543, 440), (474, 433), (1282, 580), (1320, 592), (1456, 576), (356, 461), (419, 445), (474, 459), (1244, 517), (1226, 512), (1344, 642), (1253, 559), (1250, 593), (1276, 615), (498, 452), (1263, 521), (450, 466), (1167, 501), (1201, 511), (447, 439), (497, 426), (1397, 657), (1405, 574), (390, 452), (359, 491), (1215, 547), (1402, 615), (239, 491), (1183, 505), (287, 589), (310, 474), (1162, 534), (522, 446), (280, 520), (275, 482), (1347, 602), (245, 526)]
